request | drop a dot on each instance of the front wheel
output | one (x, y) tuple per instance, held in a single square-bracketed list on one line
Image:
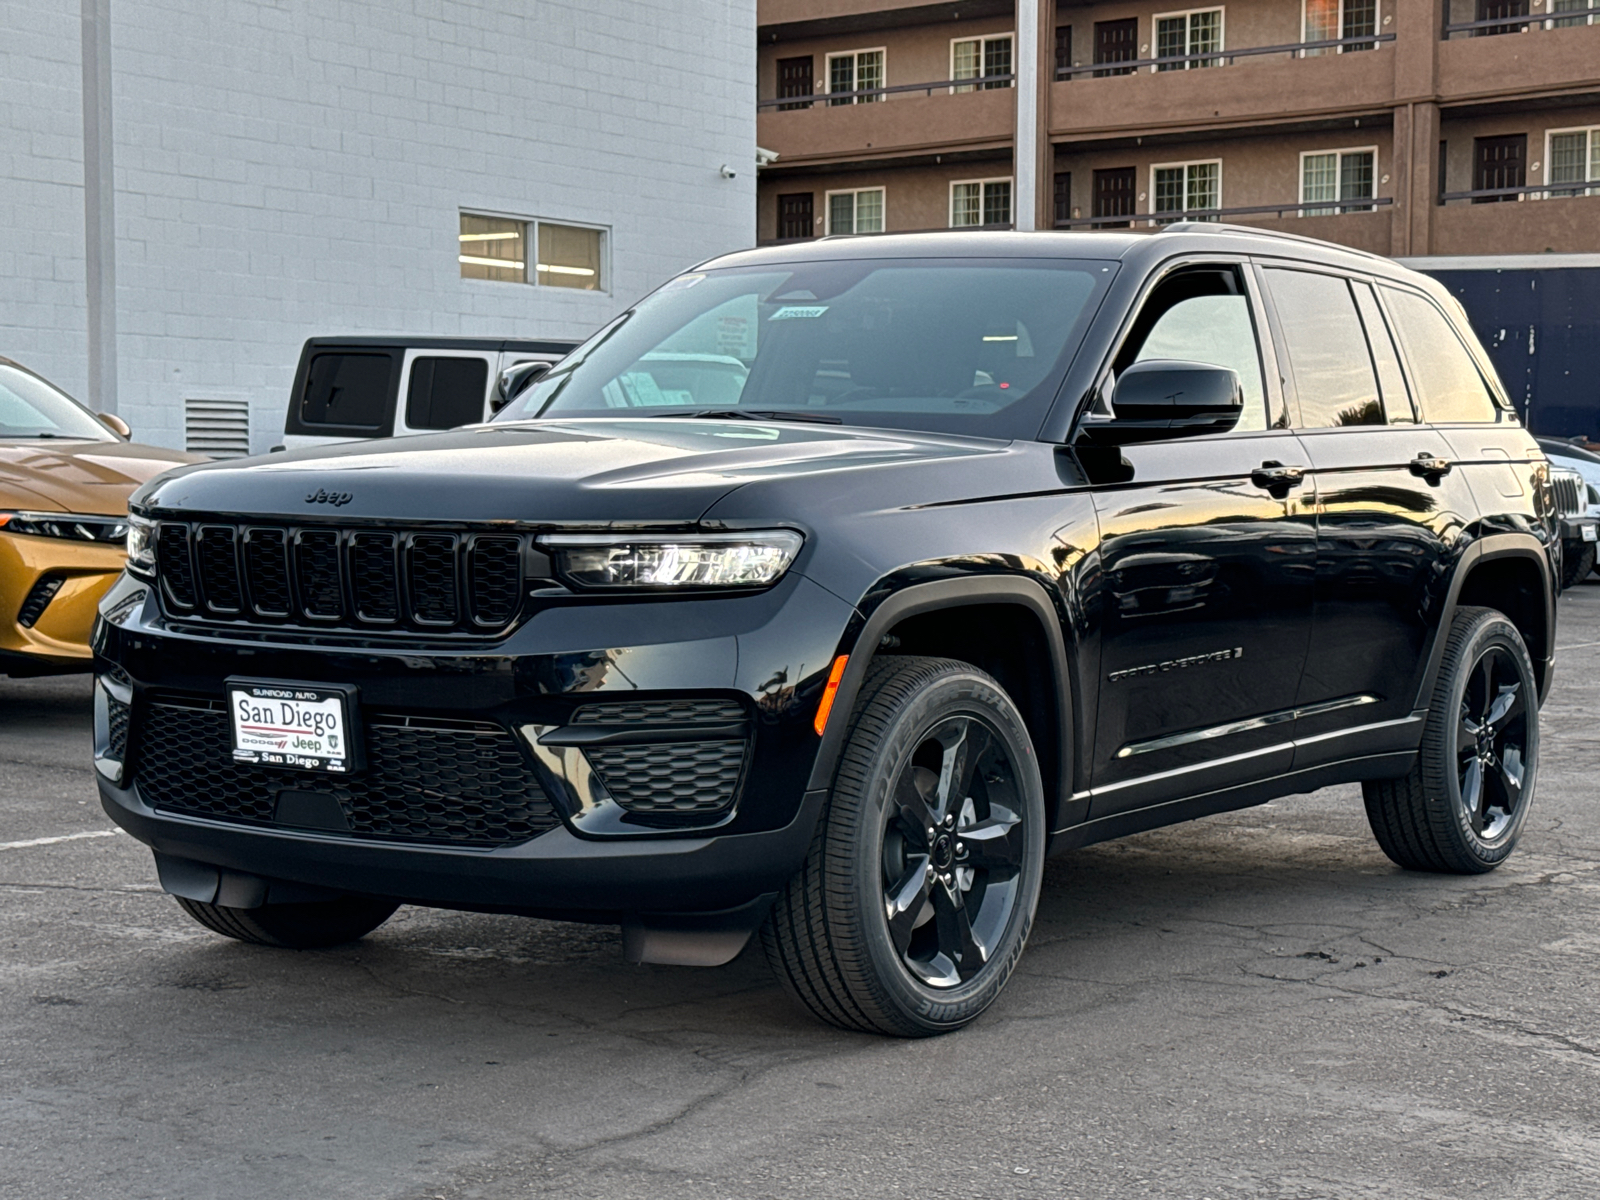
[(920, 886), (295, 926), (1463, 805)]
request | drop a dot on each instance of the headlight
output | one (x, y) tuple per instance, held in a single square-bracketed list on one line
[(711, 560), (141, 546), (72, 527)]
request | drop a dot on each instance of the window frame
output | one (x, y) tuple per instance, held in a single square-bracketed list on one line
[(1168, 166), (1377, 28), (530, 250), (1222, 36), (1593, 132), (1339, 174), (855, 193), (983, 40), (1011, 212), (855, 74)]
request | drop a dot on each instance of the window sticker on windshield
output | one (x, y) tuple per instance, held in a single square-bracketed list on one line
[(794, 312)]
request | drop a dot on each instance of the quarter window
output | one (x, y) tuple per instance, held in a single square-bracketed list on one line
[(856, 212), (1574, 157), (1177, 189), (1336, 175), (1327, 349), (855, 71), (1391, 379), (977, 202), (986, 59), (1446, 379), (1179, 34)]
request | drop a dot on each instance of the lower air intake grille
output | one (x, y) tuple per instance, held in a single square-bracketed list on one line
[(39, 597), (455, 783), (117, 714), (670, 777), (660, 712)]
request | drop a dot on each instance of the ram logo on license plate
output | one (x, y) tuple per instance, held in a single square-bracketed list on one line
[(304, 726)]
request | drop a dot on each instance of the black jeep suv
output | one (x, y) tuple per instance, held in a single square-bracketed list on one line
[(824, 590)]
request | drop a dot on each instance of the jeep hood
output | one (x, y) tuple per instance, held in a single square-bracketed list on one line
[(651, 470)]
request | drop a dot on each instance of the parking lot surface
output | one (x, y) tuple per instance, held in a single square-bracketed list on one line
[(1257, 1004)]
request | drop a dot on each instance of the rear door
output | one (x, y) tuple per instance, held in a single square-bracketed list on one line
[(1389, 512)]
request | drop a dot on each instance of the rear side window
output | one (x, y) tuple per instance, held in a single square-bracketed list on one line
[(1445, 378), (1392, 380), (446, 392), (349, 390), (1332, 369)]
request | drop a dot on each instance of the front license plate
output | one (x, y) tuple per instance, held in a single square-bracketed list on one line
[(306, 726), (1589, 533)]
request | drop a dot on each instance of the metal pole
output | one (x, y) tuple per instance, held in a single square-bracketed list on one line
[(1025, 190), (99, 207)]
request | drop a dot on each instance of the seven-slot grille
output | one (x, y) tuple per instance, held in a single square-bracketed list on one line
[(1569, 490), (341, 578)]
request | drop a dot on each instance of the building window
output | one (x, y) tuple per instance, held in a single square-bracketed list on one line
[(1560, 6), (496, 248), (1177, 189), (975, 202), (983, 59), (1332, 20), (1178, 34), (855, 71), (856, 212), (1336, 175), (1573, 156)]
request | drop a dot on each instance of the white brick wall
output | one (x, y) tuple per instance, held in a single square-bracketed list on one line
[(293, 167)]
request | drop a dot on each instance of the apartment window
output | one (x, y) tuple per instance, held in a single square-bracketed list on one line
[(496, 248), (1560, 6), (856, 212), (983, 59), (1180, 188), (1331, 20), (1198, 32), (1336, 175), (1573, 156), (980, 202), (855, 71)]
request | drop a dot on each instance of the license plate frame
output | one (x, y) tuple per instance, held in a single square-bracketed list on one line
[(303, 742), (1588, 533)]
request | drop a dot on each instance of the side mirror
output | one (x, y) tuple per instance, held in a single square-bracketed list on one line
[(116, 424), (514, 379), (1163, 398)]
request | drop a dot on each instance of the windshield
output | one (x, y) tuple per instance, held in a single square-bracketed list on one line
[(972, 346), (32, 408)]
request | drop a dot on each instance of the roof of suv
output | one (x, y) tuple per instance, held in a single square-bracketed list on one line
[(1185, 237)]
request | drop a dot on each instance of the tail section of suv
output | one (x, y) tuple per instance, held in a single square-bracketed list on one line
[(830, 587)]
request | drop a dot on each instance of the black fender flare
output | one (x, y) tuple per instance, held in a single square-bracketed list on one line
[(932, 596), (1489, 548)]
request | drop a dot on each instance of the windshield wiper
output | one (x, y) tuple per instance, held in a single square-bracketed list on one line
[(763, 414)]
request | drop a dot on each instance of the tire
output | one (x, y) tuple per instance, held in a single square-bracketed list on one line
[(295, 926), (1575, 567), (886, 929), (1486, 683)]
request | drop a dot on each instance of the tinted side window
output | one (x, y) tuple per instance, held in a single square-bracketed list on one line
[(346, 389), (446, 392), (1327, 348), (1392, 380), (1215, 330), (1442, 372)]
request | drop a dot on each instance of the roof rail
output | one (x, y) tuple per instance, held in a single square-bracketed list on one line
[(1256, 231)]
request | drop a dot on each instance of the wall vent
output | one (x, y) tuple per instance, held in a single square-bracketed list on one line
[(218, 428)]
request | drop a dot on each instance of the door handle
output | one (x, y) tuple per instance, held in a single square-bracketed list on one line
[(1431, 467), (1277, 478)]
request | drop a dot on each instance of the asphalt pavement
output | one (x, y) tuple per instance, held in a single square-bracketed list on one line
[(1254, 1005)]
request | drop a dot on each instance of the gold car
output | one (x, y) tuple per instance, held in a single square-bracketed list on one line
[(65, 478)]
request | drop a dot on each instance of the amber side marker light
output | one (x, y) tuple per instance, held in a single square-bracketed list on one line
[(829, 692)]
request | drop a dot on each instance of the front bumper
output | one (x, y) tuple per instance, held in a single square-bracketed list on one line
[(1580, 529), (57, 639), (767, 652)]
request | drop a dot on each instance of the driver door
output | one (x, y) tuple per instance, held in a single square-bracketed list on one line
[(1208, 555)]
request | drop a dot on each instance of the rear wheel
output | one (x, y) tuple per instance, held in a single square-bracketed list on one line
[(295, 926), (1576, 564), (1462, 806), (917, 895)]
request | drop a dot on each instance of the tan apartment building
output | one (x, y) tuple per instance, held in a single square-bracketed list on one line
[(1406, 127)]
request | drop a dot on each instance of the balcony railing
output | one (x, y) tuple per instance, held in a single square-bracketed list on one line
[(1222, 57), (1521, 22), (1541, 191), (877, 95), (1312, 208)]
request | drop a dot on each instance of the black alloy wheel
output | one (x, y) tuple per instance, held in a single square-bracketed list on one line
[(917, 895), (1462, 806)]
